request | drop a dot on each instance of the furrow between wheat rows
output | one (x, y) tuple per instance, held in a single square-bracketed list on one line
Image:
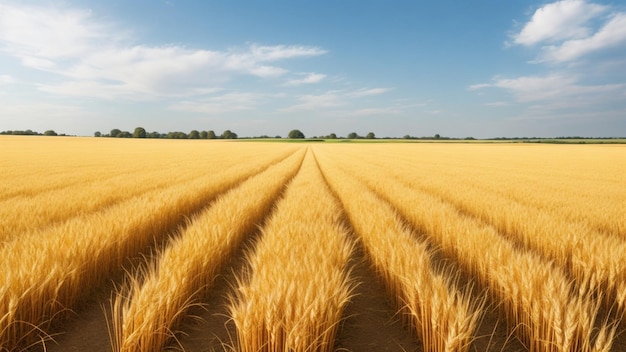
[(298, 285), (594, 259), (536, 297), (49, 271), (32, 213), (152, 305), (582, 187), (441, 314)]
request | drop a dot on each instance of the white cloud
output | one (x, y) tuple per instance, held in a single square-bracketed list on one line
[(557, 89), (228, 102), (52, 33), (368, 92), (332, 99), (281, 52), (315, 102), (478, 86), (497, 104), (612, 34), (98, 59), (570, 29), (562, 20), (6, 79), (309, 78)]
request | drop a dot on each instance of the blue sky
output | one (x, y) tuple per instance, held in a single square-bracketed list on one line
[(479, 68)]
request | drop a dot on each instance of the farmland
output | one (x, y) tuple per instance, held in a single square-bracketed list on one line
[(147, 245)]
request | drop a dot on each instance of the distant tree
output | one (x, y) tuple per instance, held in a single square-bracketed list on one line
[(204, 135), (50, 133), (194, 134), (278, 137), (124, 134), (406, 136), (332, 136), (114, 132), (437, 136), (370, 135), (97, 134), (353, 135), (139, 132), (228, 134), (153, 134), (211, 135), (295, 134)]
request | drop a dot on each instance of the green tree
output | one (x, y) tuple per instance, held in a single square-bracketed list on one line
[(139, 132), (228, 134), (353, 135), (124, 134), (332, 136), (194, 134), (153, 134), (295, 134), (50, 133), (97, 134), (204, 135), (370, 135), (437, 136), (115, 132), (211, 135)]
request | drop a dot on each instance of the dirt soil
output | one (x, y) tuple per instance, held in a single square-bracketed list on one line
[(370, 321)]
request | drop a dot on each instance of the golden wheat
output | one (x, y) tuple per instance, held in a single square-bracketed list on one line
[(594, 259), (298, 285), (152, 304), (49, 271), (534, 294), (539, 226), (443, 317)]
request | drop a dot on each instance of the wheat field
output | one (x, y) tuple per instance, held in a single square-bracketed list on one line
[(195, 245)]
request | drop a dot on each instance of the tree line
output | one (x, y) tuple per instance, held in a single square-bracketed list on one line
[(141, 132), (31, 133)]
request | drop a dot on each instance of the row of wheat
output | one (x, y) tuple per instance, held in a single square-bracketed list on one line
[(536, 297), (118, 175), (149, 308), (593, 258), (494, 211), (298, 283), (53, 269), (573, 183), (442, 315)]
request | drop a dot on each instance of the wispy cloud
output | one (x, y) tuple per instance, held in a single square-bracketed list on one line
[(6, 79), (234, 101), (570, 29), (100, 59), (368, 92), (316, 102), (555, 88), (309, 78), (575, 41), (611, 35), (497, 104), (562, 20), (332, 99)]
